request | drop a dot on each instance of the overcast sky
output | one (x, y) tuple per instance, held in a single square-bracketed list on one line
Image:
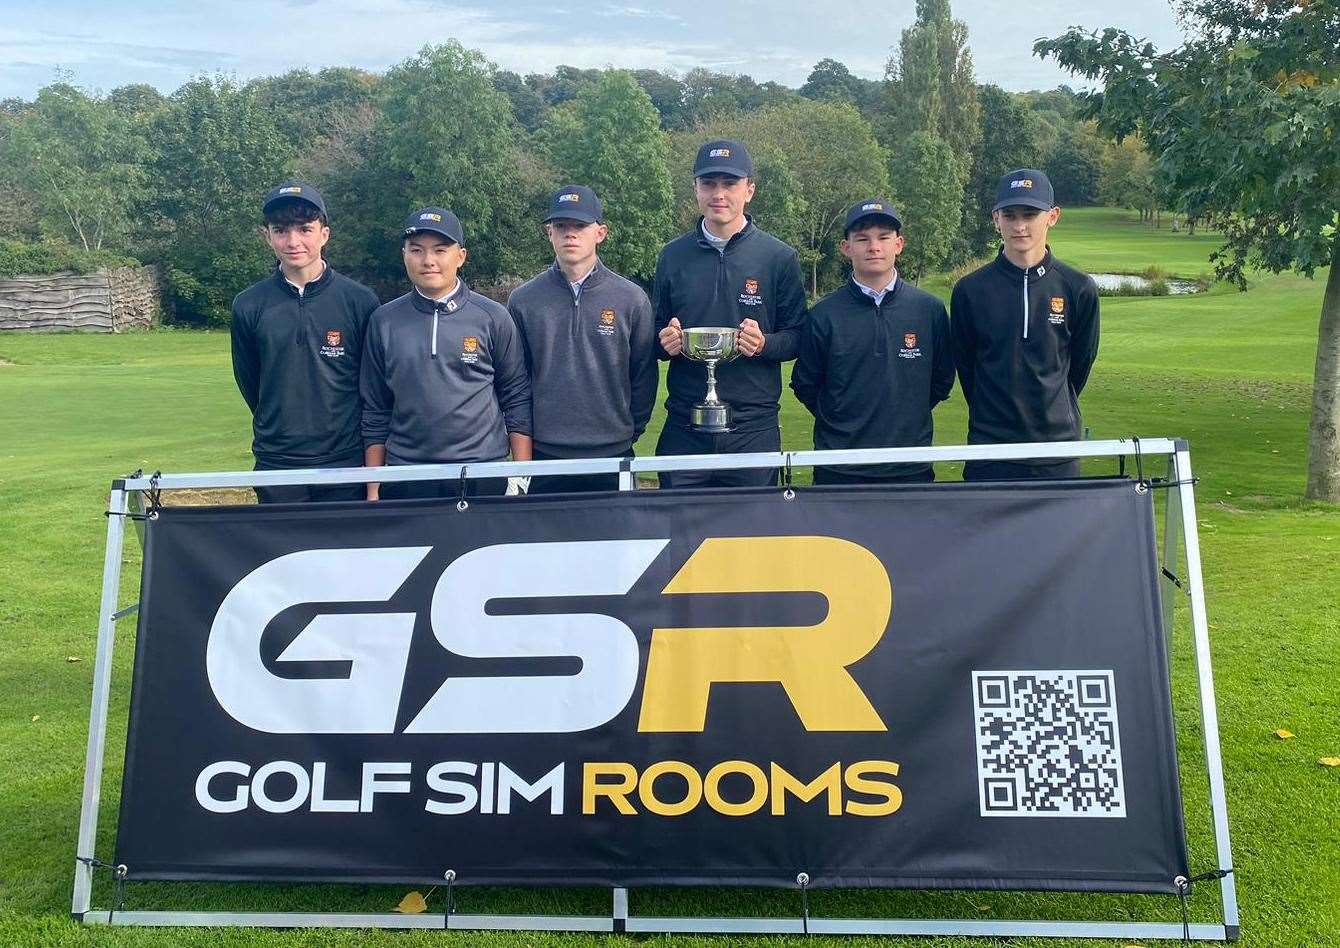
[(102, 45)]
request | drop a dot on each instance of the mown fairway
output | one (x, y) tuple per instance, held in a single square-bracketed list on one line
[(1231, 372)]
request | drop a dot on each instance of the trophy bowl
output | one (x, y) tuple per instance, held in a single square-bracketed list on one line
[(710, 345)]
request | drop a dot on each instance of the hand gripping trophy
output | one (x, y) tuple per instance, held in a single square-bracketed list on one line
[(710, 345)]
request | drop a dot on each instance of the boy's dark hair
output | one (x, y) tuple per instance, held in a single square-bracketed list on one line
[(291, 211), (874, 220)]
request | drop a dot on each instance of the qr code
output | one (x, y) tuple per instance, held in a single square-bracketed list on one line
[(1048, 744)]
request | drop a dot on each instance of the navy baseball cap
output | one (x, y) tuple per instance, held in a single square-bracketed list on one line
[(874, 207), (575, 203), (434, 220), (295, 190), (723, 156), (1026, 187)]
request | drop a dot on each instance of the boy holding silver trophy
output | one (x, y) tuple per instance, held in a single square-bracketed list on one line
[(724, 289)]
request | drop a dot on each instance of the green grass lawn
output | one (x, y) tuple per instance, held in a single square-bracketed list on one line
[(1231, 372)]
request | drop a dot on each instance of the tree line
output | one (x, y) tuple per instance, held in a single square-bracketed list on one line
[(89, 179)]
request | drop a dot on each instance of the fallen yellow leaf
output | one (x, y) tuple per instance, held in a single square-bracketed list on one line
[(36, 716), (413, 904), (1283, 734), (73, 658), (1329, 761)]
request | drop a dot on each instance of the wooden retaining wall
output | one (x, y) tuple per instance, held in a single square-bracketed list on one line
[(107, 301)]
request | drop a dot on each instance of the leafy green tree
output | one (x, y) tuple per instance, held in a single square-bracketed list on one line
[(831, 81), (931, 89), (527, 105), (611, 140), (80, 159), (565, 84), (1009, 141), (831, 152), (1126, 178), (137, 101), (1074, 166), (1244, 122), (667, 94), (216, 152), (312, 108), (446, 136), (930, 81), (1055, 113), (708, 95), (928, 191)]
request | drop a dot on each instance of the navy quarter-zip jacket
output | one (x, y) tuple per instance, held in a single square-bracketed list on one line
[(592, 361), (444, 381), (756, 276), (1024, 343), (871, 373), (296, 359)]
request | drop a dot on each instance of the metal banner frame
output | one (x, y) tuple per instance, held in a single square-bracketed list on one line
[(1180, 536)]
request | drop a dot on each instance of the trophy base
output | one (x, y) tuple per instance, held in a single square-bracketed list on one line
[(710, 418)]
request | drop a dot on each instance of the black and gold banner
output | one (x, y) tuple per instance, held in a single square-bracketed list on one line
[(928, 686)]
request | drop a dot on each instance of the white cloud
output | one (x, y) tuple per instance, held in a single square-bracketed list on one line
[(166, 42)]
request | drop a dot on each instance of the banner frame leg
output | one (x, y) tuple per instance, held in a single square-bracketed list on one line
[(1172, 551), (1214, 766), (117, 509)]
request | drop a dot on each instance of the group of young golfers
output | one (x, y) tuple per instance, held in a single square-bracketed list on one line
[(569, 367)]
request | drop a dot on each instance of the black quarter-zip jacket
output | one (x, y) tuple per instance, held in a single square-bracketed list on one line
[(871, 373), (592, 361), (756, 276), (444, 381), (296, 359), (1024, 343)]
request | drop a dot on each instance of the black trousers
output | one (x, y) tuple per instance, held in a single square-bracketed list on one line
[(418, 490), (571, 483), (680, 439), (311, 493), (836, 475), (1015, 471)]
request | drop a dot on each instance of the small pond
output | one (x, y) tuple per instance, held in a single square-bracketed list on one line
[(1136, 285)]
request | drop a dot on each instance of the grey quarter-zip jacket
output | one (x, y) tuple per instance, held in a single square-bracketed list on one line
[(592, 360), (1024, 344), (444, 381)]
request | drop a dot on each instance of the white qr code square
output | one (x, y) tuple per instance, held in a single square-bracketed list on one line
[(1048, 743)]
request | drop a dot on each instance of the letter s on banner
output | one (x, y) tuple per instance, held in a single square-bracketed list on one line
[(367, 700), (533, 704)]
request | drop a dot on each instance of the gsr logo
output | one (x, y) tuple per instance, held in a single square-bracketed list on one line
[(810, 662)]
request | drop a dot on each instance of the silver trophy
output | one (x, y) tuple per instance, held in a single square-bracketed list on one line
[(710, 345)]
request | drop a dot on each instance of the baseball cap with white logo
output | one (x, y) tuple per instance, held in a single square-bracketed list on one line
[(575, 203), (723, 156), (435, 220), (1025, 187), (293, 190), (873, 208)]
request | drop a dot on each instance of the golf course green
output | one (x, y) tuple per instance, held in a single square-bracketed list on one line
[(1229, 371)]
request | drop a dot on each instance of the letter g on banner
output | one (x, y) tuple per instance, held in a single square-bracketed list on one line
[(365, 702)]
